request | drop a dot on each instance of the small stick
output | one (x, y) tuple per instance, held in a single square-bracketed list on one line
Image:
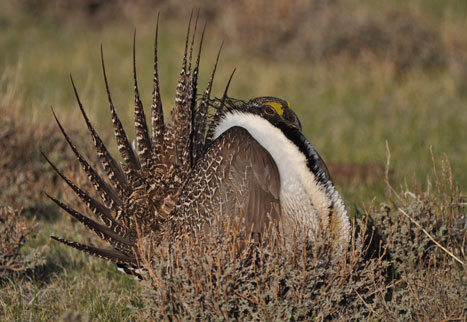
[(429, 236)]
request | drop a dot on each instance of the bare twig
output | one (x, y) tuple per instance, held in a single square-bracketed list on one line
[(366, 304), (429, 236), (386, 170)]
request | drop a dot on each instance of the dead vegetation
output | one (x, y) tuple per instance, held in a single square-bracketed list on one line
[(264, 281), (407, 260), (428, 248), (15, 230), (318, 30), (330, 30), (24, 175)]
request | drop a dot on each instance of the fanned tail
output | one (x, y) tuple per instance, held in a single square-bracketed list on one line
[(123, 143), (157, 114), (181, 127), (200, 119), (105, 253), (193, 108), (107, 234), (216, 118), (97, 208), (111, 167), (142, 190), (141, 127), (106, 192)]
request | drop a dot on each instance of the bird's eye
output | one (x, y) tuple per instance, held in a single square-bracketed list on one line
[(269, 110)]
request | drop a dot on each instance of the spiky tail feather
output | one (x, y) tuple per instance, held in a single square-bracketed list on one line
[(141, 191)]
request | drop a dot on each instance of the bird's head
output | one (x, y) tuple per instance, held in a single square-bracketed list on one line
[(275, 110)]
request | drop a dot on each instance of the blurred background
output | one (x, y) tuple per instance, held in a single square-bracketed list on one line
[(358, 73), (365, 77)]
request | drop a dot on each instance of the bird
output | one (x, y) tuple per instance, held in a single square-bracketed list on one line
[(220, 159)]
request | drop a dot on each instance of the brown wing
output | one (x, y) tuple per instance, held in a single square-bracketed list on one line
[(236, 176)]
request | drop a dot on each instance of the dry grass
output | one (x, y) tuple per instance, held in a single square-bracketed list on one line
[(395, 268), (15, 230), (406, 88), (330, 30), (40, 280), (428, 248), (233, 279), (305, 31), (23, 173)]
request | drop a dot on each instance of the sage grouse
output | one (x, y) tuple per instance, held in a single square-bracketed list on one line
[(218, 159)]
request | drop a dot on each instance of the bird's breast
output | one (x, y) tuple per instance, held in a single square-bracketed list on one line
[(303, 199)]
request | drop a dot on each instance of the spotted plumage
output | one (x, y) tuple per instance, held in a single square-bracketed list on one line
[(219, 159)]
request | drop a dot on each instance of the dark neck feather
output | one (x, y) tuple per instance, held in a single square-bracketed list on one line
[(314, 161)]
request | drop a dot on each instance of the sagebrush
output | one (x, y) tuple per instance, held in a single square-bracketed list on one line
[(393, 269)]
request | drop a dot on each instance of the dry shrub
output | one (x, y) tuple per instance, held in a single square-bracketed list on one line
[(230, 278), (319, 30), (428, 247), (395, 268), (24, 173), (326, 30), (94, 11), (15, 230)]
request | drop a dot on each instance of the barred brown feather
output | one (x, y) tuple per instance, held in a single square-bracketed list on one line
[(113, 234), (202, 113), (98, 209), (108, 254), (107, 193), (141, 127), (157, 114), (184, 177), (113, 170), (123, 143), (181, 127)]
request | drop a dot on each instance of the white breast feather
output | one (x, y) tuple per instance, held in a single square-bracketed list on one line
[(302, 199)]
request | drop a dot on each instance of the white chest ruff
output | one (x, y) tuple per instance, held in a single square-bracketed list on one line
[(296, 207), (304, 203)]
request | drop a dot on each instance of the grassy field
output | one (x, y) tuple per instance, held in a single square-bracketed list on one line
[(352, 104)]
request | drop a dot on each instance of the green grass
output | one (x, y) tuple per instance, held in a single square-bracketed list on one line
[(348, 110), (69, 283)]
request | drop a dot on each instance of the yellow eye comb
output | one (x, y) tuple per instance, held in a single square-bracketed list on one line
[(277, 106)]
